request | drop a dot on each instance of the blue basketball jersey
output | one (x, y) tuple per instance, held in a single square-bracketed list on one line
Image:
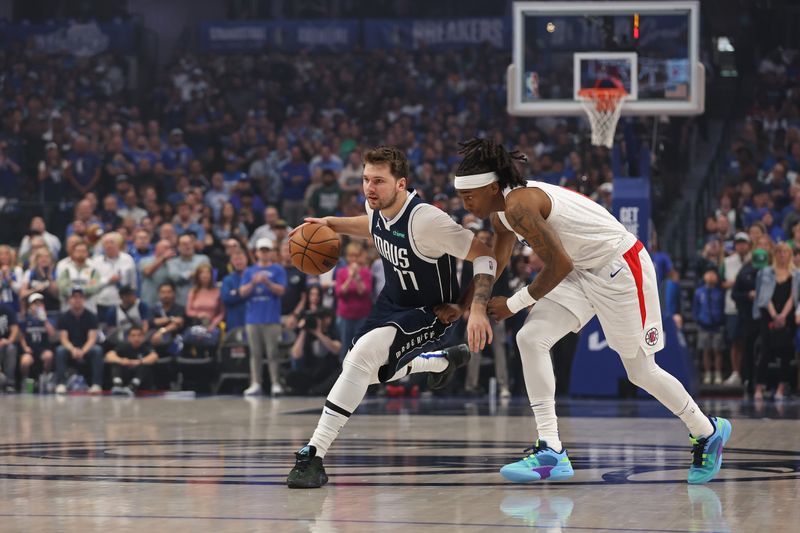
[(412, 280)]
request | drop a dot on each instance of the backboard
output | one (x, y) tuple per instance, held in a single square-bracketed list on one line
[(650, 49)]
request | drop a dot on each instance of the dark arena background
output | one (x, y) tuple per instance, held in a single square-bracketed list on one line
[(162, 358)]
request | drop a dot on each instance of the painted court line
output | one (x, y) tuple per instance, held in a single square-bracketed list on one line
[(343, 521)]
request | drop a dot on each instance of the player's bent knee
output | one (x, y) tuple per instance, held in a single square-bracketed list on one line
[(533, 340), (370, 350), (364, 358), (26, 360)]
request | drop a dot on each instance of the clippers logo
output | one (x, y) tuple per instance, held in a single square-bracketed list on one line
[(651, 337)]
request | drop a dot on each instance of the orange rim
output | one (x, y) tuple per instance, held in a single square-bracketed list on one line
[(605, 99)]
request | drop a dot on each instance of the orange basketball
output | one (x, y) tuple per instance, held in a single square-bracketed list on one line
[(314, 249)]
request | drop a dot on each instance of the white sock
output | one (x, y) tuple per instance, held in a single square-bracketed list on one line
[(424, 362), (429, 362), (346, 394), (544, 411), (546, 324), (698, 423)]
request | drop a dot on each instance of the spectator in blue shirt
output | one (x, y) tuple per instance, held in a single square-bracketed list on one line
[(185, 223), (243, 190), (326, 161), (295, 176), (235, 303), (9, 175), (708, 309), (263, 285), (84, 167), (177, 156), (233, 173), (672, 298), (142, 246), (774, 231)]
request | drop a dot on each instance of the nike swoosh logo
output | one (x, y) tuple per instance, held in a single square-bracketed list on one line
[(330, 413), (617, 272)]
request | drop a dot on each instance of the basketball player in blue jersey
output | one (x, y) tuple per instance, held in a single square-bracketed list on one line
[(592, 265), (418, 244)]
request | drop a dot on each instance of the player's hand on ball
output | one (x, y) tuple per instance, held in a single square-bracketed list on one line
[(498, 309), (447, 313), (308, 220), (479, 331)]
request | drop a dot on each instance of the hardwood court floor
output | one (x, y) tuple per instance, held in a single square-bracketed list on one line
[(219, 464)]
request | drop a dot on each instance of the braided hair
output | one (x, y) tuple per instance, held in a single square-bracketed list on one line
[(485, 155)]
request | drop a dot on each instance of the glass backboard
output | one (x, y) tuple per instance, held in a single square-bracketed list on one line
[(651, 49)]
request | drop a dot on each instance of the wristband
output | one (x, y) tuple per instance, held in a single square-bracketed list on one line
[(520, 300), (484, 265)]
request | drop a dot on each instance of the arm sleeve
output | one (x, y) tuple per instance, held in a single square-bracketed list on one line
[(434, 234)]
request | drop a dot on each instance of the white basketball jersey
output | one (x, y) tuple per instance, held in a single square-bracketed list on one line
[(591, 236)]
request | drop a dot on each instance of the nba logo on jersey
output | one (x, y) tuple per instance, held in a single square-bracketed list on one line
[(651, 336)]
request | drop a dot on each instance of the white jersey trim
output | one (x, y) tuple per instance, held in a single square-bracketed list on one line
[(388, 223)]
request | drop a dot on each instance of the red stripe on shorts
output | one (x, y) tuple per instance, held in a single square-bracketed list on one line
[(632, 258)]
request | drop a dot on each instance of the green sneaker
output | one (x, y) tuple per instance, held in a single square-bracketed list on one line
[(707, 452), (308, 472)]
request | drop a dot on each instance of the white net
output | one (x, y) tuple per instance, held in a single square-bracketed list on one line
[(603, 107)]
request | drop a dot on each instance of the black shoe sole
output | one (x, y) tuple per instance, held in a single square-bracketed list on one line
[(307, 484)]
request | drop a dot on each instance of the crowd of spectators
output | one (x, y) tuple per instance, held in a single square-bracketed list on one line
[(169, 219), (747, 303)]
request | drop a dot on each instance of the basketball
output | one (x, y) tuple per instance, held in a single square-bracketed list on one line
[(314, 249)]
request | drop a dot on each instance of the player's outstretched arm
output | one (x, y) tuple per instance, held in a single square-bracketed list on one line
[(353, 226), (526, 211), (479, 330)]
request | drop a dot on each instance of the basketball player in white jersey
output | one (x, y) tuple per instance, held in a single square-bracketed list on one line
[(418, 244), (592, 266)]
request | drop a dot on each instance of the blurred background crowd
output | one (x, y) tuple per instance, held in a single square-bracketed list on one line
[(137, 205)]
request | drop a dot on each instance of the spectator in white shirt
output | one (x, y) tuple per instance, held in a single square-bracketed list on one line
[(116, 268)]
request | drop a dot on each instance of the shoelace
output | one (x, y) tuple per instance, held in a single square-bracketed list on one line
[(698, 455), (302, 461), (534, 449)]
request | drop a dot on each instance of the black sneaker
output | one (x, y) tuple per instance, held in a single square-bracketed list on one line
[(308, 472), (457, 356)]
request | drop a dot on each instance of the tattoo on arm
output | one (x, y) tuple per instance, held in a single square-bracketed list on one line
[(530, 224), (482, 285)]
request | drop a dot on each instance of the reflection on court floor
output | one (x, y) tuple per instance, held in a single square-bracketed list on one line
[(220, 463)]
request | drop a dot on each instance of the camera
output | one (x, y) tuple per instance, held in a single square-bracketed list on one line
[(311, 320)]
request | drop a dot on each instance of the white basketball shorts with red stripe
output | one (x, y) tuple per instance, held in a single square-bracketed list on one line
[(624, 295)]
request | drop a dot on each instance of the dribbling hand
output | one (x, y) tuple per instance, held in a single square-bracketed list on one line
[(308, 220), (498, 309), (447, 313)]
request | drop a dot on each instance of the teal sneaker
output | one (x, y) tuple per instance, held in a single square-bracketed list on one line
[(707, 452), (542, 463)]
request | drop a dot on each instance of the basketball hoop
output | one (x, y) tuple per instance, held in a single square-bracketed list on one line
[(603, 107)]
